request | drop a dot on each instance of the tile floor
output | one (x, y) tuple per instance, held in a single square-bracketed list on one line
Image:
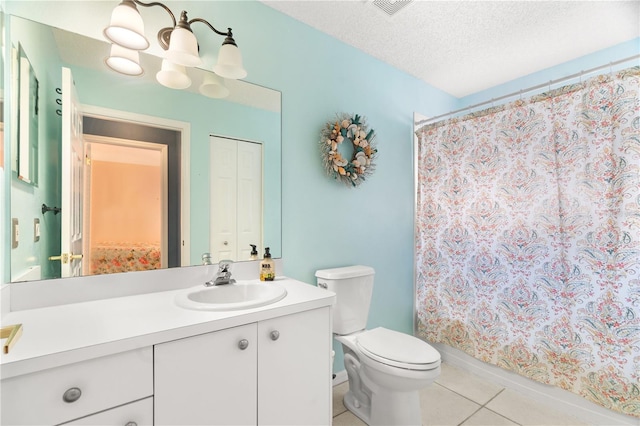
[(460, 398)]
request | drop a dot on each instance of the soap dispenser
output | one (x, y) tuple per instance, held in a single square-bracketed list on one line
[(254, 252), (267, 267)]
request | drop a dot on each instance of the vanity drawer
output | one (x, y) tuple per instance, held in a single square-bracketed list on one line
[(139, 413), (72, 391)]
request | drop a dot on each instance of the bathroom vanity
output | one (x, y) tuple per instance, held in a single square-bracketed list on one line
[(143, 359)]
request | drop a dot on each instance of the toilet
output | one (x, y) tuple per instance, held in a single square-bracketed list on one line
[(386, 369)]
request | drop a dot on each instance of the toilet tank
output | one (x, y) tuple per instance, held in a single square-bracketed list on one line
[(353, 286)]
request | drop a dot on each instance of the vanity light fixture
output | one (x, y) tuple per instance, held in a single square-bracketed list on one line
[(126, 29), (124, 61), (173, 75), (213, 86)]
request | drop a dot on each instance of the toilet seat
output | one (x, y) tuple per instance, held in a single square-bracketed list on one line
[(397, 349)]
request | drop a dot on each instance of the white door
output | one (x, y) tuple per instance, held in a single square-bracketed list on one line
[(235, 198), (86, 211), (72, 179), (249, 198)]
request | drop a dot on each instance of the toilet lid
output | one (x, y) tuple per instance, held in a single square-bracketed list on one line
[(386, 345)]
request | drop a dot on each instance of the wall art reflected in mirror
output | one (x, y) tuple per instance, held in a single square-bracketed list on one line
[(150, 185)]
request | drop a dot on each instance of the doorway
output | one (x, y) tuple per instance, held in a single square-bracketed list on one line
[(132, 196)]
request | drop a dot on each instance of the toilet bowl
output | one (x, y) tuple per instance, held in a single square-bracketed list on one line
[(386, 369)]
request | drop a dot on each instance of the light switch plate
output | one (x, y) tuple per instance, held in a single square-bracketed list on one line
[(36, 230), (15, 233)]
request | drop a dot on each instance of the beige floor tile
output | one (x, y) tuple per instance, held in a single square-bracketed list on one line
[(338, 394), (486, 417), (440, 406), (526, 411), (347, 419), (467, 384)]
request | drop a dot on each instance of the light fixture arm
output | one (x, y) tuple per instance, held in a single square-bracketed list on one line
[(155, 3), (228, 33), (165, 33)]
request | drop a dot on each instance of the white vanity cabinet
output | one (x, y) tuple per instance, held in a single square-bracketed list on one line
[(273, 372), (75, 391)]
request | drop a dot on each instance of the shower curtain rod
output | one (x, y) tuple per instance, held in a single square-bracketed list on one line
[(530, 89)]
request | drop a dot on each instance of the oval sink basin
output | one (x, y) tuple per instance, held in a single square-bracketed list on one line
[(230, 297)]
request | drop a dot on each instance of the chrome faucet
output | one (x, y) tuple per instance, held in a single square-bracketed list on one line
[(223, 276)]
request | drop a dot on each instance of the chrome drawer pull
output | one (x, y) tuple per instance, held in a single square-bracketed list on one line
[(243, 344), (275, 335), (71, 395)]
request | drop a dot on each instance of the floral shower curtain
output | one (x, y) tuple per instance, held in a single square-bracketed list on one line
[(528, 237)]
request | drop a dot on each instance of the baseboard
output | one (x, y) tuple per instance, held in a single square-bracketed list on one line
[(341, 377), (551, 396)]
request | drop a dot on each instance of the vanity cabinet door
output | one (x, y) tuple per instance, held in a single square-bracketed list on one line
[(294, 369), (208, 379)]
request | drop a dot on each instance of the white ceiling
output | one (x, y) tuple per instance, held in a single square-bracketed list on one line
[(464, 47)]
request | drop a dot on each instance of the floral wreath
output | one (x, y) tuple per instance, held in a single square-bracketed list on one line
[(355, 130)]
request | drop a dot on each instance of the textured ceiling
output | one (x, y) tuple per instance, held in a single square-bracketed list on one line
[(464, 47)]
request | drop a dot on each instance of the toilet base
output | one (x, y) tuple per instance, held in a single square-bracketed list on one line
[(360, 410), (389, 409)]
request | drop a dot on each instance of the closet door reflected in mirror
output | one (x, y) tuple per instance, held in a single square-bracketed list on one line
[(236, 198)]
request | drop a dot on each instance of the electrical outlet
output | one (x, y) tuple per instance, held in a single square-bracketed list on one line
[(15, 233), (36, 230)]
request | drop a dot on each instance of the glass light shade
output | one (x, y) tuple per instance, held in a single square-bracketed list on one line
[(126, 27), (183, 48), (173, 76), (213, 86), (123, 60), (230, 63)]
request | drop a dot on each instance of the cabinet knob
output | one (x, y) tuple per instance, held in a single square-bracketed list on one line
[(243, 344), (71, 395), (275, 335)]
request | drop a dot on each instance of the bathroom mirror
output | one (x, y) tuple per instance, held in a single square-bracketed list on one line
[(249, 114)]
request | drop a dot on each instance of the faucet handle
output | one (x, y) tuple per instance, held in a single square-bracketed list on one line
[(225, 265)]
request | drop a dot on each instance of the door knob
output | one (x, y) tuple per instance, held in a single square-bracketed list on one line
[(243, 344), (66, 257), (275, 335), (63, 258)]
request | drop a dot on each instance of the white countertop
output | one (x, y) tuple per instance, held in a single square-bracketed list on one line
[(64, 334)]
